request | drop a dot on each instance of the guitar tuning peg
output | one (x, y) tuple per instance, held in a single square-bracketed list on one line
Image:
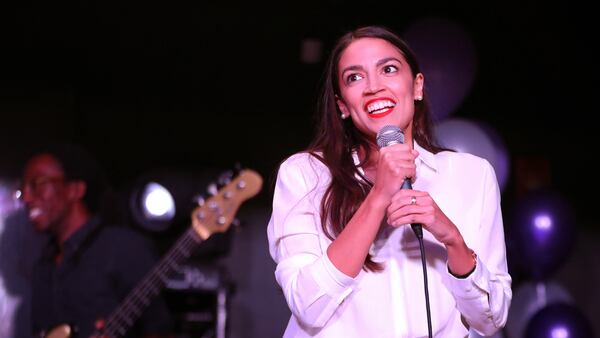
[(199, 200), (225, 178), (212, 189)]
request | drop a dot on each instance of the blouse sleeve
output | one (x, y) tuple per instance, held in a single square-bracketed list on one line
[(312, 286), (484, 297)]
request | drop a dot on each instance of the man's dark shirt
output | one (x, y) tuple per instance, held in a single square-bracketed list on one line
[(100, 265)]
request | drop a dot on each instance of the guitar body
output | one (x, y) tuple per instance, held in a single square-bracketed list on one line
[(213, 215)]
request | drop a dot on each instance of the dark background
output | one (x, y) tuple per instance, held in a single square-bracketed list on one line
[(148, 84), (189, 85)]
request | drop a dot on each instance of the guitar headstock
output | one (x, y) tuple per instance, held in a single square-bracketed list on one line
[(216, 213)]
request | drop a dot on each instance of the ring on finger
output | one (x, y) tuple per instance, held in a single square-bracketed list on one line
[(413, 200)]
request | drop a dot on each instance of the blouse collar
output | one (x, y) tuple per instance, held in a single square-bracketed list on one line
[(425, 157)]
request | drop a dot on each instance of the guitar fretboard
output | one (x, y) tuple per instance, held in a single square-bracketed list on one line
[(125, 316)]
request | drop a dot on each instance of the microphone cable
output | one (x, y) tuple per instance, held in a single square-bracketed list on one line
[(419, 233)]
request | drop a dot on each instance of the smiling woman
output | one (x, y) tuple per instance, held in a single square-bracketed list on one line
[(362, 82), (338, 225)]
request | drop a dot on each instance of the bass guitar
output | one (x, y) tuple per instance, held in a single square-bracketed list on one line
[(212, 215)]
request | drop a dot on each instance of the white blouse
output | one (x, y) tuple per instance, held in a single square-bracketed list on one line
[(327, 303)]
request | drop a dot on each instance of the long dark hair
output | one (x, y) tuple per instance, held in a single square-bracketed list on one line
[(336, 139)]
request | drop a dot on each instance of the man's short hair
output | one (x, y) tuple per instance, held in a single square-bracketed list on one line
[(79, 164)]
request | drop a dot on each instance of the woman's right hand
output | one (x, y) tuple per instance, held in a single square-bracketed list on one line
[(395, 164)]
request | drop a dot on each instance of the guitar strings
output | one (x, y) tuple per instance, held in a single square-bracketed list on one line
[(124, 317)]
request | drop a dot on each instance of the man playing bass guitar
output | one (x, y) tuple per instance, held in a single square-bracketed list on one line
[(90, 263)]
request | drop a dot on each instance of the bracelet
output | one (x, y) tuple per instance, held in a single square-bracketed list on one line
[(474, 255)]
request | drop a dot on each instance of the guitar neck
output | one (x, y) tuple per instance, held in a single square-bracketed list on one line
[(211, 216), (124, 317)]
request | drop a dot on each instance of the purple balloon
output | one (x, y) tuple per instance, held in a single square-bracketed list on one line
[(559, 320), (528, 299), (448, 59), (543, 231)]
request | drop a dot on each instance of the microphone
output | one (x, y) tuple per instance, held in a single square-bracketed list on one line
[(387, 136)]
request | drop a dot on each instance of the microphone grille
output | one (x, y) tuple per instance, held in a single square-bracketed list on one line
[(389, 135)]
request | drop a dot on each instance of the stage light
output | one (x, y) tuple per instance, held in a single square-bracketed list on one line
[(10, 196), (203, 204), (163, 198), (157, 202)]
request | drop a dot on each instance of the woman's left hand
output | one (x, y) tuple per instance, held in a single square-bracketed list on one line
[(412, 206)]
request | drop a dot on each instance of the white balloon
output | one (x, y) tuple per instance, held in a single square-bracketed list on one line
[(501, 162), (464, 136), (467, 136)]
